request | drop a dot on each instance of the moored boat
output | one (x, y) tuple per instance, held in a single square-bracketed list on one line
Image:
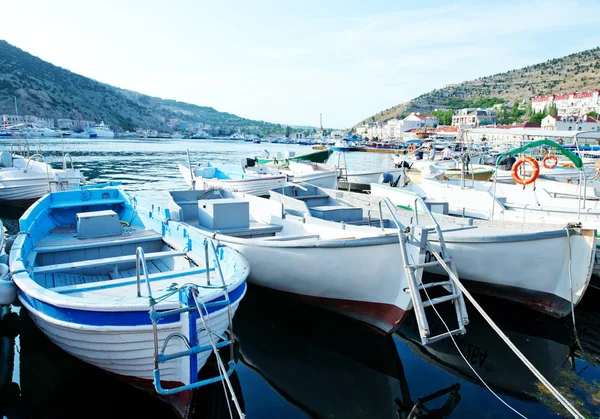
[(493, 259), (315, 156), (357, 279), (25, 178), (111, 286)]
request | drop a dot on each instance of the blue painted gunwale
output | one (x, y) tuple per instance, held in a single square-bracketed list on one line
[(92, 317)]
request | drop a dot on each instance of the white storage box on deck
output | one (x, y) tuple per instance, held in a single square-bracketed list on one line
[(98, 224), (220, 214)]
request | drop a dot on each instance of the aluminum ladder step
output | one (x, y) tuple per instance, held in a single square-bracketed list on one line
[(414, 272)]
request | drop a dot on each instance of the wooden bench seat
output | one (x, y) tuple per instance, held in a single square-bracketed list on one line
[(90, 203), (98, 285), (104, 261), (289, 238), (309, 197), (74, 243), (255, 228)]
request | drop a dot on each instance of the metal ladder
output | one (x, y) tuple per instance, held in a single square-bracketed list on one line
[(196, 309), (419, 236)]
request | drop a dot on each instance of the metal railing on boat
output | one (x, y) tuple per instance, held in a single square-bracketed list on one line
[(196, 308)]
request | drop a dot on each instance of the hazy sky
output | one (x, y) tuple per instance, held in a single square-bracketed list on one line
[(288, 61)]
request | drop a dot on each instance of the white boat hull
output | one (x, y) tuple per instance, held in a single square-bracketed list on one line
[(534, 268), (253, 185), (360, 281)]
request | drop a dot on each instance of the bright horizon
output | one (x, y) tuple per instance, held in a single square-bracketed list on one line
[(287, 62)]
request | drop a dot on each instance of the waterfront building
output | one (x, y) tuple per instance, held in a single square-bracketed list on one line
[(570, 123), (73, 124), (474, 117), (28, 120)]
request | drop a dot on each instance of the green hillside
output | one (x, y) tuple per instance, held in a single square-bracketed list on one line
[(45, 90)]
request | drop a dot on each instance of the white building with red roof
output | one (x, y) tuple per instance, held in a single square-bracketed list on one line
[(569, 104), (570, 123)]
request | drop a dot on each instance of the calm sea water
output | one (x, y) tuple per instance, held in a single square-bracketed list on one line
[(296, 361)]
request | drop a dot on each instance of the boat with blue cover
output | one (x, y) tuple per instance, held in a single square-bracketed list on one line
[(121, 290)]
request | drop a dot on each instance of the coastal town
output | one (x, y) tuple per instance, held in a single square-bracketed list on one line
[(575, 111)]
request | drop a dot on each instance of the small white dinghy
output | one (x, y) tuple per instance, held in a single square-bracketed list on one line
[(115, 288)]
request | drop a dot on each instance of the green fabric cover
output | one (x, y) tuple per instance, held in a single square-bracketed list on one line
[(577, 162)]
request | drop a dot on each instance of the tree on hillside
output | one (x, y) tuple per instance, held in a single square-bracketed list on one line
[(529, 110), (537, 117), (552, 109), (445, 117), (288, 131), (503, 116), (516, 113)]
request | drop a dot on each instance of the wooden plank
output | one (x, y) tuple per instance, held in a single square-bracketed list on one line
[(111, 283), (152, 269), (59, 244), (104, 261), (91, 202), (162, 267)]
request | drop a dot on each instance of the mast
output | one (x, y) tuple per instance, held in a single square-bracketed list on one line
[(321, 121), (16, 109)]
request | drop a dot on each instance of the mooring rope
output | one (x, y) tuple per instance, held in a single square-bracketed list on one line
[(570, 408), (220, 365), (468, 363)]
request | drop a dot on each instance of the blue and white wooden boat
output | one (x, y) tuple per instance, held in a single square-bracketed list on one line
[(122, 291)]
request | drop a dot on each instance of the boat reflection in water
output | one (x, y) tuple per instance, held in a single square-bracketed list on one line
[(548, 343), (50, 383), (326, 365)]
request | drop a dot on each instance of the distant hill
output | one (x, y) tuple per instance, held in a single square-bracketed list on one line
[(45, 90), (575, 72)]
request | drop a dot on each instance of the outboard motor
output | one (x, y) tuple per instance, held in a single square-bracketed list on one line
[(248, 162), (404, 164), (385, 177)]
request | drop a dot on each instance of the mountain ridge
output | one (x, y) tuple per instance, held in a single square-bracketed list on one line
[(45, 90), (579, 71)]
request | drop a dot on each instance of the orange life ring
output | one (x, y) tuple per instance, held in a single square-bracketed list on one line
[(550, 161), (411, 148), (529, 179), (597, 167)]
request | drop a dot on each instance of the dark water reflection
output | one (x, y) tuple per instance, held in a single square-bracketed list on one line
[(297, 361)]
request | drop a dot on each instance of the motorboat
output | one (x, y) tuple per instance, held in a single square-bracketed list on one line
[(100, 130), (40, 132), (491, 258), (237, 178), (315, 156), (24, 178), (287, 253), (110, 285)]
